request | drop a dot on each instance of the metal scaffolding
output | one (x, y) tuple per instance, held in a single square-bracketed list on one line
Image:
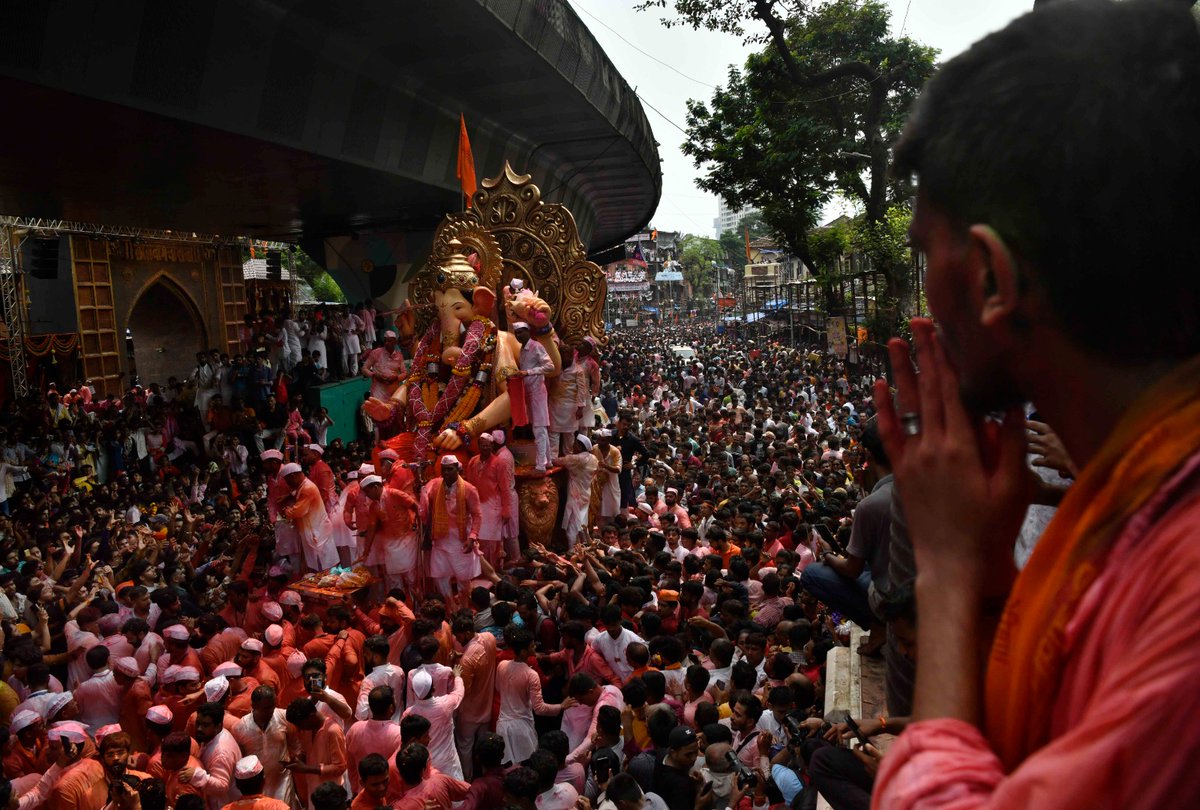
[(14, 316)]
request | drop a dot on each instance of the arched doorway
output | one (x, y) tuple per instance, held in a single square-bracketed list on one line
[(163, 333)]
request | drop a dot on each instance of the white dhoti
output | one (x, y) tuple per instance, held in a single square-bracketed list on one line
[(317, 546), (343, 535), (448, 560), (395, 554)]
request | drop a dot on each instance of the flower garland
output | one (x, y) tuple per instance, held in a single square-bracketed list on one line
[(431, 408)]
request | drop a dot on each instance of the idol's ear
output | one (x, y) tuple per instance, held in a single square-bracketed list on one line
[(484, 301)]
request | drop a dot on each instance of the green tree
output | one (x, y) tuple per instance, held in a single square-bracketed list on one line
[(697, 255), (323, 286), (813, 114)]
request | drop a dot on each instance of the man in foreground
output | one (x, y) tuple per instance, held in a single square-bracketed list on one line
[(1030, 148)]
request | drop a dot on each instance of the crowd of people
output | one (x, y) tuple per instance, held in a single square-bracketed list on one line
[(148, 607), (732, 512)]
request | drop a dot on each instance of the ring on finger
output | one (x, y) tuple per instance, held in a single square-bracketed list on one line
[(910, 423)]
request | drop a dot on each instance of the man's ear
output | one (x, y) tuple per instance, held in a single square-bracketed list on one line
[(999, 287)]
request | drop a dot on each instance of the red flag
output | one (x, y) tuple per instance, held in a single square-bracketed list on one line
[(466, 161)]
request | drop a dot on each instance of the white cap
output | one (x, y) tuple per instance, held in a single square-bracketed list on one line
[(57, 703), (272, 611), (229, 669), (584, 440), (450, 461), (271, 455), (289, 468), (672, 489), (274, 635), (369, 480), (159, 715), (560, 797), (177, 632), (247, 768), (216, 688), (252, 645), (366, 469), (104, 731), (316, 448), (290, 598), (23, 720), (498, 435), (127, 666), (645, 507), (422, 684), (186, 674), (68, 730), (605, 433), (520, 325), (295, 663)]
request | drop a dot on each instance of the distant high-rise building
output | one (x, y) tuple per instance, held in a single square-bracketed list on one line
[(728, 218)]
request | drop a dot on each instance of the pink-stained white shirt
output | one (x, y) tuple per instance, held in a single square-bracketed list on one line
[(383, 675), (99, 700), (78, 643), (215, 779), (439, 711), (370, 737), (580, 726), (312, 524), (520, 699), (278, 741)]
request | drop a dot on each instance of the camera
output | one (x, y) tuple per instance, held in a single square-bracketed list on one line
[(745, 776), (796, 732)]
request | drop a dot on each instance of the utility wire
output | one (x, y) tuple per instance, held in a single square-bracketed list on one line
[(664, 117), (905, 23), (639, 50)]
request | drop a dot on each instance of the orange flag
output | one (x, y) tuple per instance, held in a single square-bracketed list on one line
[(466, 161), (747, 243)]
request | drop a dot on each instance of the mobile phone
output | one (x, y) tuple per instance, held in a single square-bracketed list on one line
[(862, 738), (828, 537)]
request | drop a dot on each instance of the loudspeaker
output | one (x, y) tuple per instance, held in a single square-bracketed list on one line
[(274, 265), (43, 258)]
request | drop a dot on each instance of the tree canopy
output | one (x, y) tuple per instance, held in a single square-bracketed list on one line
[(811, 115)]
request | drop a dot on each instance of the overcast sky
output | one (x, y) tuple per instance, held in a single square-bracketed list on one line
[(702, 60)]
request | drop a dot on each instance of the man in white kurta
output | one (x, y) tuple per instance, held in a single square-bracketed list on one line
[(439, 711), (534, 363), (306, 512), (265, 732), (450, 510), (581, 466)]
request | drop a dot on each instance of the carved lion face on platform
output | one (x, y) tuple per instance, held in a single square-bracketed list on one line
[(538, 505)]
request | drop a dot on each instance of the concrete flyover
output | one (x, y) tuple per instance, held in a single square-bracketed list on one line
[(330, 124)]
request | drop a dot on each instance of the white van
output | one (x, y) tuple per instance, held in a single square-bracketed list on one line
[(684, 352)]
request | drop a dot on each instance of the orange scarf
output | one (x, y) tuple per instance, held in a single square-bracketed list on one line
[(1158, 434), (441, 517)]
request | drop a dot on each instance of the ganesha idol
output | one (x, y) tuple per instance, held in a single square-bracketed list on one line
[(509, 257), (457, 387)]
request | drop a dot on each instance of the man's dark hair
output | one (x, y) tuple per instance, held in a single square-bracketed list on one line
[(413, 727), (490, 750), (377, 645), (521, 783), (300, 709), (411, 762), (1090, 183), (753, 705), (329, 796), (381, 701), (372, 765), (545, 764), (215, 712)]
